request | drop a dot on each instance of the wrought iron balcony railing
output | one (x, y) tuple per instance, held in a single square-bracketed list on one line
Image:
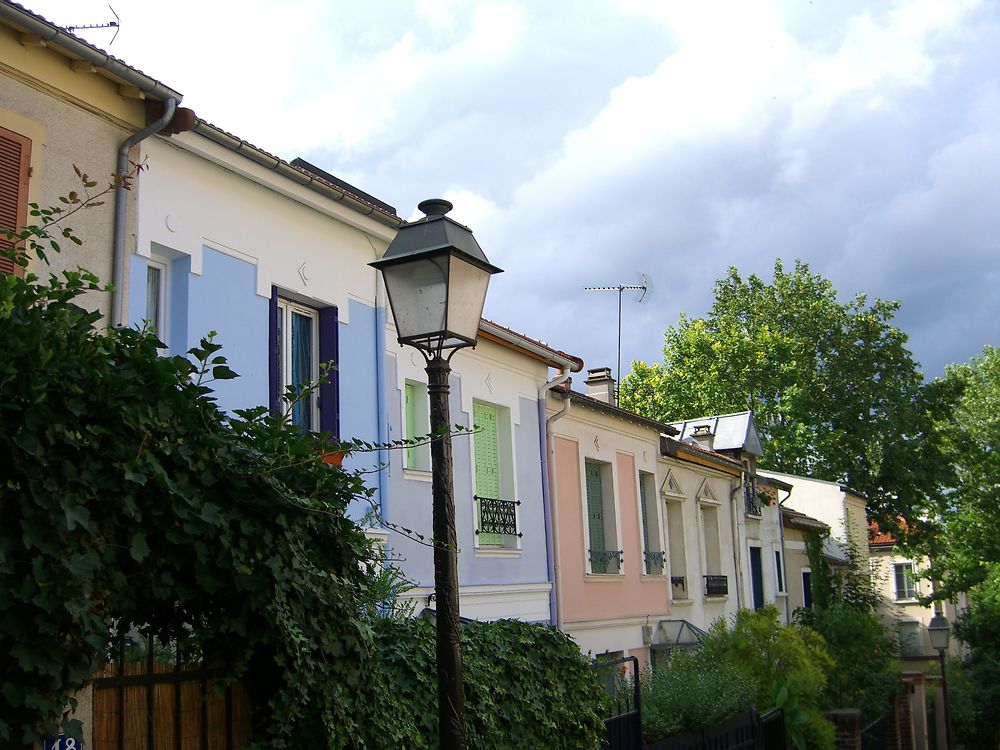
[(603, 559), (654, 562), (752, 497), (679, 582), (497, 516), (716, 586)]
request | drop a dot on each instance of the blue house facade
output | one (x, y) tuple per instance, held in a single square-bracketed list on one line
[(273, 257)]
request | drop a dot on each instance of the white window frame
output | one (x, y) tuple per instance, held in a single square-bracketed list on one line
[(908, 596), (285, 309), (417, 458), (161, 328)]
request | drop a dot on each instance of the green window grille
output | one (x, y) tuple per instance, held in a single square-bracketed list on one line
[(487, 464), (595, 516)]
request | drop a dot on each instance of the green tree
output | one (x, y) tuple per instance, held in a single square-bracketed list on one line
[(835, 392), (961, 534)]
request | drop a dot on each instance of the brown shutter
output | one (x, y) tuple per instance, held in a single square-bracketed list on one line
[(15, 157)]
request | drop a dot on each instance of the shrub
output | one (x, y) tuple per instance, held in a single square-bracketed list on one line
[(779, 661), (689, 693), (526, 686)]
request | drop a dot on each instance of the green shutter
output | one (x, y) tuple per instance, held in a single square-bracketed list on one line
[(487, 463), (644, 510), (411, 422), (595, 514)]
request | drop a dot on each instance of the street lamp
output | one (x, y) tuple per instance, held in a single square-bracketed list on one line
[(436, 277), (939, 630)]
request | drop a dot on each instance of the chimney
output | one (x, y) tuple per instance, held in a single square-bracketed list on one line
[(703, 436), (601, 385)]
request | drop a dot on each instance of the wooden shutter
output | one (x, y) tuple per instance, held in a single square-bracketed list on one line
[(487, 463), (15, 158), (595, 514)]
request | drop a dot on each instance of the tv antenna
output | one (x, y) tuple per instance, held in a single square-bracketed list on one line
[(116, 25), (645, 289)]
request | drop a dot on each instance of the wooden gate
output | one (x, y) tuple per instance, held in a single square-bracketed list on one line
[(149, 698)]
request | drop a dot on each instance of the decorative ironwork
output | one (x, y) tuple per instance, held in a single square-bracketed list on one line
[(497, 516), (599, 559), (654, 561), (716, 586), (752, 497), (678, 581)]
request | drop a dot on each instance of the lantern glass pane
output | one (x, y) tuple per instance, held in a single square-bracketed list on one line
[(418, 294), (466, 297)]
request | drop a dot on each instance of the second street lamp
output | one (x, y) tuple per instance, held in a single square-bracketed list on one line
[(939, 631), (436, 276)]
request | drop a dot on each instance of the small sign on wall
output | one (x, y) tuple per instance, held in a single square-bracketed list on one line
[(62, 742)]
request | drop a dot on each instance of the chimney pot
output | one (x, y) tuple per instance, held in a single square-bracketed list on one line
[(601, 386)]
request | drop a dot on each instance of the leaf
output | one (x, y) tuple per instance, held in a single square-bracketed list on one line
[(139, 549), (77, 515)]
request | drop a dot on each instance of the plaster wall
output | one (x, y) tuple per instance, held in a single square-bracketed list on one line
[(796, 561), (493, 582), (71, 119)]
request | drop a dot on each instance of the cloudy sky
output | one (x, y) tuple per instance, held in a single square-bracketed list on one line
[(587, 142)]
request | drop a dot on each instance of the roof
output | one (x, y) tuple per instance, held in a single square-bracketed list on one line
[(671, 446), (730, 432), (793, 519), (75, 48), (313, 178), (508, 336), (616, 411)]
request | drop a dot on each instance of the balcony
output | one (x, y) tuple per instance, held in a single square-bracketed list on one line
[(752, 499), (497, 516), (716, 586), (654, 562), (601, 560)]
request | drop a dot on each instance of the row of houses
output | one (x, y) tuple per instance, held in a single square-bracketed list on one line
[(631, 535)]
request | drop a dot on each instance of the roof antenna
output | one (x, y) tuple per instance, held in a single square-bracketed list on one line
[(645, 289), (116, 25)]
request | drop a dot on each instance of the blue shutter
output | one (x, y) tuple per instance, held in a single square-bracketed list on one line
[(329, 392)]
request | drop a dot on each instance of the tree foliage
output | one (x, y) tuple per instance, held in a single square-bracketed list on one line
[(834, 390), (865, 673), (961, 533)]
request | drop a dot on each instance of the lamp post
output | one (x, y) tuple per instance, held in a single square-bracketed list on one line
[(436, 276), (939, 630)]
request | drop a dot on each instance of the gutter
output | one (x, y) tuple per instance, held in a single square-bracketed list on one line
[(118, 241), (381, 410), (549, 499), (784, 555)]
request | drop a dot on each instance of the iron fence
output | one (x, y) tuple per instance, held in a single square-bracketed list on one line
[(623, 730)]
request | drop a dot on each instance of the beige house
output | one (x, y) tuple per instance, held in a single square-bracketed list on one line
[(64, 102)]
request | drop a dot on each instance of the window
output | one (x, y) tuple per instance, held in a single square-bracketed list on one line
[(757, 577), (496, 506), (602, 530), (906, 583), (807, 590), (417, 420), (300, 338), (909, 639), (156, 286), (15, 160), (653, 557), (779, 573), (678, 553)]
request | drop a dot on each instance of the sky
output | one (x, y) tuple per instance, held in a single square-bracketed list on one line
[(588, 142)]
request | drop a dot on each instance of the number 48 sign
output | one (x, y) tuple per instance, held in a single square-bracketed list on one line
[(62, 742)]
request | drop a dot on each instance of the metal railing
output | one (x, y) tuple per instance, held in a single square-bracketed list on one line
[(654, 560), (497, 516), (601, 558), (620, 677), (678, 581), (716, 585)]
